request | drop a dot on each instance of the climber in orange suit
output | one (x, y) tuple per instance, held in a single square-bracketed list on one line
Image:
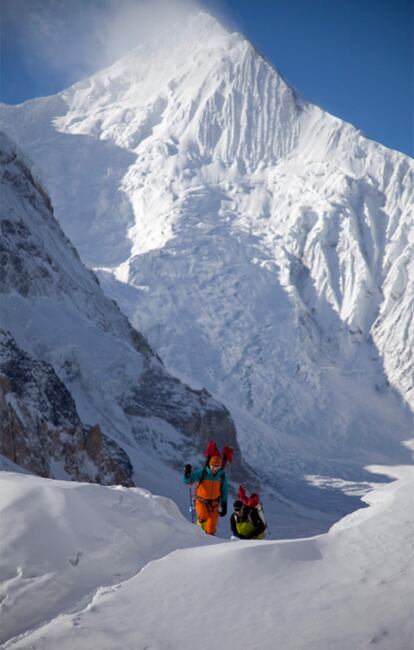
[(211, 492)]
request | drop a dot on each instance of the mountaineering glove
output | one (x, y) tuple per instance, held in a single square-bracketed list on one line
[(187, 471), (223, 510)]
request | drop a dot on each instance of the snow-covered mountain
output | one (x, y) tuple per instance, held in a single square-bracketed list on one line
[(86, 566), (263, 246), (80, 389)]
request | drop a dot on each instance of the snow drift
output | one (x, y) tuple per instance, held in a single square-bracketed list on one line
[(62, 540)]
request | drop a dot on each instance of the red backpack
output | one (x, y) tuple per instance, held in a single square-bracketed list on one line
[(253, 502)]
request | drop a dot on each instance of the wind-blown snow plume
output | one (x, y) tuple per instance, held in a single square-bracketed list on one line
[(78, 38)]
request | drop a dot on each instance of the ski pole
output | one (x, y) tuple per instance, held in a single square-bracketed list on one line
[(191, 505)]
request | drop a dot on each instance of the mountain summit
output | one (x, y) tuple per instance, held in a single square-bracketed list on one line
[(263, 246)]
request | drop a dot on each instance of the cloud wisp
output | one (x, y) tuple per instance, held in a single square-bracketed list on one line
[(75, 39)]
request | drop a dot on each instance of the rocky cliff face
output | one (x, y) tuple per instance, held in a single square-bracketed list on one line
[(40, 429), (77, 381)]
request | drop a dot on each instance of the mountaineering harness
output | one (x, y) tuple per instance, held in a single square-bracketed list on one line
[(211, 504)]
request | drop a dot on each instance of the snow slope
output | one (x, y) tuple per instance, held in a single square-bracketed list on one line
[(263, 246), (109, 568), (61, 540)]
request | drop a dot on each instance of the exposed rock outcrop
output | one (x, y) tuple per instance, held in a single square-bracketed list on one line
[(40, 428)]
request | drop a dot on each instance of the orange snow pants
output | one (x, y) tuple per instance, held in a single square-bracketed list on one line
[(207, 515)]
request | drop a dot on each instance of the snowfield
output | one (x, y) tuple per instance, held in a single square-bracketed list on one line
[(86, 567)]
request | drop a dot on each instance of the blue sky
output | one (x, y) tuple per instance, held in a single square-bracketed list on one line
[(354, 58)]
